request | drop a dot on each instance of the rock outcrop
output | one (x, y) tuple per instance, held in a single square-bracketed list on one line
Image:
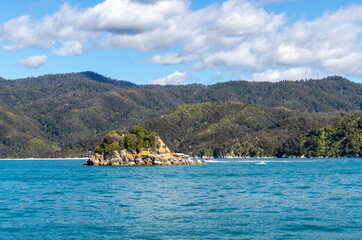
[(157, 155), (124, 158)]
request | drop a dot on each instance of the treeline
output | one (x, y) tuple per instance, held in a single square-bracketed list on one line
[(230, 129), (136, 140), (67, 115), (341, 139)]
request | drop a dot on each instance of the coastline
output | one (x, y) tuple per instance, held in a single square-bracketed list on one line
[(40, 159), (211, 158), (289, 157)]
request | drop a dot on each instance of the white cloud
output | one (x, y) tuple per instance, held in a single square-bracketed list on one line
[(272, 1), (237, 36), (33, 61), (241, 18), (279, 75), (117, 23), (329, 44), (19, 34), (174, 78), (348, 64), (240, 57), (72, 48), (171, 58)]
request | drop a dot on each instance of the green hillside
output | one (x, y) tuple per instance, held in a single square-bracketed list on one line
[(232, 129), (136, 140), (325, 95), (74, 111), (341, 139), (21, 136)]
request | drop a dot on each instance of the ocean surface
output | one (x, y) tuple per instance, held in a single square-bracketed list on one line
[(225, 199)]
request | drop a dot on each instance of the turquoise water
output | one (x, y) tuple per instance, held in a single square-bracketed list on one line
[(225, 199)]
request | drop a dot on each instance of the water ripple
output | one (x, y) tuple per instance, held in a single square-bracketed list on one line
[(225, 199)]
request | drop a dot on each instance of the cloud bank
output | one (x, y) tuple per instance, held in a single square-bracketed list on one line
[(238, 36)]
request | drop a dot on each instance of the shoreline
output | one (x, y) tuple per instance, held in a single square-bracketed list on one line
[(246, 158), (291, 157), (40, 159)]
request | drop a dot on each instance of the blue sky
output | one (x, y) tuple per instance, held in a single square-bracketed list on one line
[(180, 41)]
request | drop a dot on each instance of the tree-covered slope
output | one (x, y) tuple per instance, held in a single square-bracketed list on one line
[(51, 80), (136, 147), (325, 95), (341, 139), (73, 111), (230, 128), (21, 136)]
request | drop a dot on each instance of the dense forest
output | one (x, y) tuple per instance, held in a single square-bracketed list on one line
[(66, 115), (135, 140), (341, 139), (225, 129)]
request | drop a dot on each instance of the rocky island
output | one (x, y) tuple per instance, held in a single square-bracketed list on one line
[(136, 147)]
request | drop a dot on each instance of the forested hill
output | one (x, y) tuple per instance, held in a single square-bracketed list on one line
[(71, 112), (324, 95), (50, 80), (341, 139), (233, 129)]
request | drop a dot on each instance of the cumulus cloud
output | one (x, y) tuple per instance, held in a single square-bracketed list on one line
[(236, 35), (274, 75), (72, 48), (115, 23), (33, 61), (172, 79)]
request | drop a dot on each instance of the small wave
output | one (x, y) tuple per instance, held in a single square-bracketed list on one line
[(123, 205), (192, 204), (217, 161), (261, 163)]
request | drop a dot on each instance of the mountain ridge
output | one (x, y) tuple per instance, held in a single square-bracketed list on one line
[(90, 75), (73, 111)]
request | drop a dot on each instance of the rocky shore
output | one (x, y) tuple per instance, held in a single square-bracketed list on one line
[(143, 158), (120, 155)]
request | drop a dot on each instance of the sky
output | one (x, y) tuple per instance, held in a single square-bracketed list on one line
[(182, 41)]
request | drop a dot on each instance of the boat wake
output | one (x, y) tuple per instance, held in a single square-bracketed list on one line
[(261, 163), (216, 161)]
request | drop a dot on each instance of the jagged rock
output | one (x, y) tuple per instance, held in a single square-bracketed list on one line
[(160, 156)]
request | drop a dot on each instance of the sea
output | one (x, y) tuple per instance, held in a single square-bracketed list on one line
[(224, 199)]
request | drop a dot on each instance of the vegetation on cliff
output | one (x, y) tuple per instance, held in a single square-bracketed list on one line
[(136, 147), (136, 140), (341, 139)]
